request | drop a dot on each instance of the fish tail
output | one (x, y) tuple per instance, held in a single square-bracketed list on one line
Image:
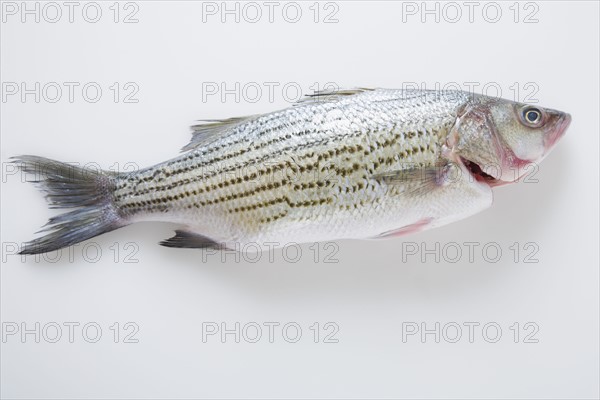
[(90, 194)]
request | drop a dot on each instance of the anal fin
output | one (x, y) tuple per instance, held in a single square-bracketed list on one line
[(190, 240)]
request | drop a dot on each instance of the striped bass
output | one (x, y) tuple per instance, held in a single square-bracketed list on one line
[(352, 164)]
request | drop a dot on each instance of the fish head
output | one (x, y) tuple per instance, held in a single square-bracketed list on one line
[(498, 139)]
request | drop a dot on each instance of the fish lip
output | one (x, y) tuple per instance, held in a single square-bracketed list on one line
[(562, 125)]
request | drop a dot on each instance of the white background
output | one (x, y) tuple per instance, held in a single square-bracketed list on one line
[(371, 292)]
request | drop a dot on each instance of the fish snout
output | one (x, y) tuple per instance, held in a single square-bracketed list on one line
[(557, 131)]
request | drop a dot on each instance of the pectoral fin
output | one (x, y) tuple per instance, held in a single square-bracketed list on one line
[(418, 180)]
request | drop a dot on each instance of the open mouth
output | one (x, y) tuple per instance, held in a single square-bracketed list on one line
[(479, 175)]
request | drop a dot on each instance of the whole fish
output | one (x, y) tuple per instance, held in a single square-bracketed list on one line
[(351, 164)]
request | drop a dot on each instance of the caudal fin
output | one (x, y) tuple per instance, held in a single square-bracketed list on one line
[(88, 191)]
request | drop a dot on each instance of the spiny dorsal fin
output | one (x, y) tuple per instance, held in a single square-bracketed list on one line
[(323, 96), (190, 240), (209, 129)]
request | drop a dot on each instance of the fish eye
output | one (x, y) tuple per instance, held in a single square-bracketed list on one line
[(532, 116)]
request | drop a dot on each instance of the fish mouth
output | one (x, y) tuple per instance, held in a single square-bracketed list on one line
[(479, 175)]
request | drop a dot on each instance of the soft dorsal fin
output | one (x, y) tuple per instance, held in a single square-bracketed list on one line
[(322, 96), (209, 129)]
